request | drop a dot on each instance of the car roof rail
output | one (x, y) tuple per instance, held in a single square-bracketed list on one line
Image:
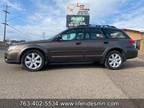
[(98, 26), (103, 26)]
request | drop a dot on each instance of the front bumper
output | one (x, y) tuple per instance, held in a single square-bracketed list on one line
[(12, 57)]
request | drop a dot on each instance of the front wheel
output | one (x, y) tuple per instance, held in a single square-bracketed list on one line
[(33, 60), (114, 60)]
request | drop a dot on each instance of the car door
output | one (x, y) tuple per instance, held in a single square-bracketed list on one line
[(67, 47), (95, 44), (117, 38)]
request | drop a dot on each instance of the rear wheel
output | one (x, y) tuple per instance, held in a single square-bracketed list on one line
[(114, 60), (33, 60)]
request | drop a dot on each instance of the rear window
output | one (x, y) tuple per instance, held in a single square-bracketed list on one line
[(116, 34)]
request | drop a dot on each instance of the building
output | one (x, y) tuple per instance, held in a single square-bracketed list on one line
[(138, 36)]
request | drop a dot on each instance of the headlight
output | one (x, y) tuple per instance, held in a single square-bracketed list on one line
[(11, 48)]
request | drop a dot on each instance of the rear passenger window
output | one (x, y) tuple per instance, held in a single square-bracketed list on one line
[(116, 34), (94, 34)]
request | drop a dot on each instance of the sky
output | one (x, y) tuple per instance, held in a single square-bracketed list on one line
[(41, 19)]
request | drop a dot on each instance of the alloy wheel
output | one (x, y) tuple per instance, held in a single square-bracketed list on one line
[(115, 60), (33, 61)]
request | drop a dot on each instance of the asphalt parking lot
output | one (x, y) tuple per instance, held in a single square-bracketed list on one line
[(80, 81)]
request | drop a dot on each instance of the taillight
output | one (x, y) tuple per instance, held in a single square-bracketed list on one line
[(132, 42)]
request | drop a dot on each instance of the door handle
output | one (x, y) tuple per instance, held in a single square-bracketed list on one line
[(78, 43), (106, 42)]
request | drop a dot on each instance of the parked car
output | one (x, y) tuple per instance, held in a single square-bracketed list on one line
[(105, 44)]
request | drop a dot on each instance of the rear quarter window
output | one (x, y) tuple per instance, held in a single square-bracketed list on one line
[(116, 34)]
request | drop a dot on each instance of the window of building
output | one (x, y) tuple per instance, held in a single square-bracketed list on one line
[(137, 43)]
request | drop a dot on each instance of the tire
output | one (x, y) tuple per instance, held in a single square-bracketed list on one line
[(114, 60), (33, 60)]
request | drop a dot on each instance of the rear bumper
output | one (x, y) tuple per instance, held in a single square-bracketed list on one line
[(132, 53), (11, 58)]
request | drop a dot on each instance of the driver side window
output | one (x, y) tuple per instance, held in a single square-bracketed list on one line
[(71, 35), (68, 36)]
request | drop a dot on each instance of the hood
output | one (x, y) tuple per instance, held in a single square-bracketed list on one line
[(38, 41), (34, 42)]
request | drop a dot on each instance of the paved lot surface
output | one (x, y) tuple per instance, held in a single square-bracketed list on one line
[(73, 81)]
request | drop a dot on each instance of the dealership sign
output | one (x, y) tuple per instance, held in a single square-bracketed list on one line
[(77, 20)]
